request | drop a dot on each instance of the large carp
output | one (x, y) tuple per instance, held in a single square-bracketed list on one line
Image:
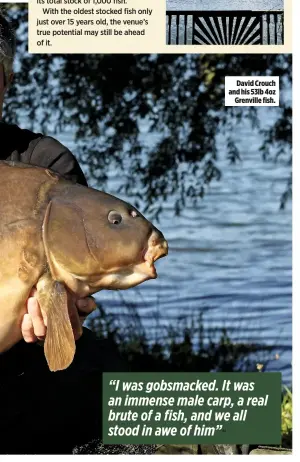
[(62, 237)]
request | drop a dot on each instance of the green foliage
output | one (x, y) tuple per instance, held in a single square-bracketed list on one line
[(287, 418), (154, 118), (185, 346)]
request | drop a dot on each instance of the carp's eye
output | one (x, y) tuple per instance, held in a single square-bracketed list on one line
[(114, 218)]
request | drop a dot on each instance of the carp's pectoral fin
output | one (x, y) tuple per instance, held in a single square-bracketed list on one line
[(68, 244), (59, 345)]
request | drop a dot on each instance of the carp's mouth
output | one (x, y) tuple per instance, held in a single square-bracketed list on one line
[(137, 273), (147, 269), (157, 248)]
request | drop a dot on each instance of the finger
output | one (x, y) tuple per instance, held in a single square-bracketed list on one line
[(35, 313), (82, 319), (86, 306), (33, 292), (74, 318), (27, 329)]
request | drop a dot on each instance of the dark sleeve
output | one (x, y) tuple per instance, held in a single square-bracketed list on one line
[(50, 153)]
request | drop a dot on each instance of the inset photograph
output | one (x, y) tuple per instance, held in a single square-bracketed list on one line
[(225, 22)]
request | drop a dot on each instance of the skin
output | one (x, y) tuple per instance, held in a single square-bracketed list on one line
[(34, 326)]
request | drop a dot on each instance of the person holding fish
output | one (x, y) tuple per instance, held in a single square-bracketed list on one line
[(34, 148), (24, 379), (115, 246), (61, 242)]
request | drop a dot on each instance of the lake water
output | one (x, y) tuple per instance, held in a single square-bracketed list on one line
[(224, 4), (230, 257)]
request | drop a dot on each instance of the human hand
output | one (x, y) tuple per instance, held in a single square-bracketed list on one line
[(34, 323)]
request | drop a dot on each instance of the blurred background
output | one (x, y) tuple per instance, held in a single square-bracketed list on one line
[(153, 130)]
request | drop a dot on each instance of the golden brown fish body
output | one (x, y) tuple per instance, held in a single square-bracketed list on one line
[(57, 235)]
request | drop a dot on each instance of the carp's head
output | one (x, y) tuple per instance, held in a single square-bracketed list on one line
[(95, 241), (131, 248)]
